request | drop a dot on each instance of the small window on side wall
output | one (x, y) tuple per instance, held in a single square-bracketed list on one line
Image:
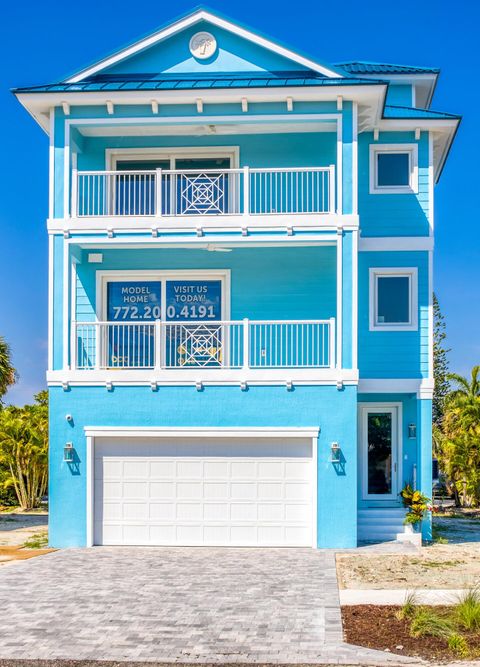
[(393, 169), (393, 299)]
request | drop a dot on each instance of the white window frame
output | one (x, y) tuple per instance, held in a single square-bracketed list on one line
[(113, 155), (396, 410), (172, 154), (393, 272), (412, 152), (104, 277)]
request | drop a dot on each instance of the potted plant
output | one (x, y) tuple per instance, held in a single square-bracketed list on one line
[(417, 505)]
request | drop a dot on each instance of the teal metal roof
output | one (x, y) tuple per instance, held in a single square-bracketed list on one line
[(363, 67), (392, 111), (125, 82)]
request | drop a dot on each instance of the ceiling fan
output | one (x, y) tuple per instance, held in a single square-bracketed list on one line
[(215, 248)]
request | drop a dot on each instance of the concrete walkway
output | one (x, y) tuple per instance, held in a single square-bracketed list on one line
[(398, 596), (178, 605)]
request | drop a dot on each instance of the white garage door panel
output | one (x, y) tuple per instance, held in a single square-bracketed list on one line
[(204, 492)]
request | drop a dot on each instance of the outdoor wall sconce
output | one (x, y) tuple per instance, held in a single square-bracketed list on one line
[(412, 431), (68, 452), (336, 453)]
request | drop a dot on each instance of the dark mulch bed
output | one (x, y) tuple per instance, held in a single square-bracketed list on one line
[(377, 627)]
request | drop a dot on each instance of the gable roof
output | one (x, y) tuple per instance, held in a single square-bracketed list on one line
[(196, 16), (364, 67)]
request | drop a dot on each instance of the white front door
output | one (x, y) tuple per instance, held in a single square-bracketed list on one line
[(379, 451), (200, 491)]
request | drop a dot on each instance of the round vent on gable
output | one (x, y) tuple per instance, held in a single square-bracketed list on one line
[(203, 45)]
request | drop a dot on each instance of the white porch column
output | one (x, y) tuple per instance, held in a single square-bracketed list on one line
[(339, 326)]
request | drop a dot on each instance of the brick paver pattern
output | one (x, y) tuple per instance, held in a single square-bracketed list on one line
[(177, 605)]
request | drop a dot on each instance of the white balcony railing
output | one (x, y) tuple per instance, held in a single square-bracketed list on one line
[(182, 345), (191, 192)]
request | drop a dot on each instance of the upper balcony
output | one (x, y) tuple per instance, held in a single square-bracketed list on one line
[(168, 194)]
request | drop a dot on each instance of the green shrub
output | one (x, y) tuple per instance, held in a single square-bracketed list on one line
[(467, 609), (407, 610), (426, 623), (458, 645)]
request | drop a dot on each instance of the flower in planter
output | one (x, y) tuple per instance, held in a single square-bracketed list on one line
[(416, 503)]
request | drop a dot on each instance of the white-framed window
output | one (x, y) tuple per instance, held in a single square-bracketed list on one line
[(169, 295), (393, 168), (226, 157), (393, 299)]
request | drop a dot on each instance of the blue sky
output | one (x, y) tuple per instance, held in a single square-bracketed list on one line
[(42, 42)]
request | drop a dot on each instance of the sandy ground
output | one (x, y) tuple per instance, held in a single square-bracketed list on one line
[(451, 565), (15, 529)]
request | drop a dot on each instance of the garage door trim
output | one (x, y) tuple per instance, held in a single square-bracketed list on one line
[(94, 433)]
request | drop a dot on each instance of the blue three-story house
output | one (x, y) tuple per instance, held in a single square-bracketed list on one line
[(240, 292)]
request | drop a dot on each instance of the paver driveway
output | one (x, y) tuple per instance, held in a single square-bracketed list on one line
[(172, 604)]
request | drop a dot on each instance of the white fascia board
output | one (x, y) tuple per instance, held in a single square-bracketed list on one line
[(433, 124), (38, 104), (185, 23), (396, 243), (423, 388), (203, 431), (209, 376), (279, 224)]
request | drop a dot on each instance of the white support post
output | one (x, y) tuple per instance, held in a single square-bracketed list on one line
[(246, 344), (74, 202), (339, 297), (173, 193), (331, 343), (98, 345), (158, 345), (73, 345), (158, 192), (331, 189), (246, 191)]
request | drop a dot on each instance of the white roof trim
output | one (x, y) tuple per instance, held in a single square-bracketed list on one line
[(202, 431), (196, 17)]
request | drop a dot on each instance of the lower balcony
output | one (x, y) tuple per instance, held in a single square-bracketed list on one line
[(204, 350)]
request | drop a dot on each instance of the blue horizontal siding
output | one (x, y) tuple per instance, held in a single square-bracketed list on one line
[(394, 354), (393, 214), (260, 150), (266, 283)]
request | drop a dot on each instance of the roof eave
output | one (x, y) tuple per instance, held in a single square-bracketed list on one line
[(38, 104)]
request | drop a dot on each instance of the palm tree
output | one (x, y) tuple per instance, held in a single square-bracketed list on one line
[(7, 371), (466, 390), (457, 442), (24, 451)]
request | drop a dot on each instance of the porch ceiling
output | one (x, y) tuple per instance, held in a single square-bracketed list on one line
[(203, 128)]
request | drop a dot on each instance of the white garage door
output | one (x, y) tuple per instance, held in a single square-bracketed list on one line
[(237, 492)]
